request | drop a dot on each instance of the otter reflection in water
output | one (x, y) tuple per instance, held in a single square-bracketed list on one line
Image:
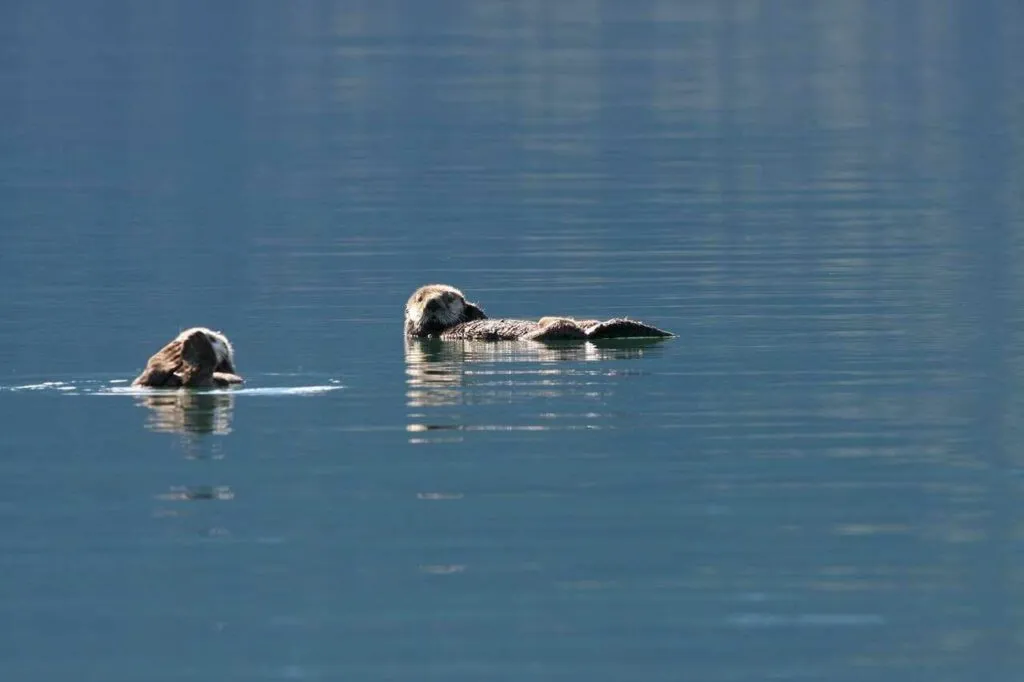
[(450, 383), (442, 311), (196, 358), (188, 412), (440, 372)]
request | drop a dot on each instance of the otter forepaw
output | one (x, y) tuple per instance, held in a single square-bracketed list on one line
[(198, 360), (224, 379), (556, 329)]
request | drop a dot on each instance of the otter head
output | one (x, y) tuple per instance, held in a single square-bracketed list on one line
[(436, 307), (221, 347)]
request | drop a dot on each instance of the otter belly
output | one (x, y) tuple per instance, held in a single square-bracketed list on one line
[(551, 329), (490, 330)]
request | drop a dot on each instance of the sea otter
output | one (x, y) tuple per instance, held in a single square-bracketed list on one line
[(196, 358), (442, 311)]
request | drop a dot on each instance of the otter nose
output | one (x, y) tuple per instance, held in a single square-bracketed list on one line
[(433, 306)]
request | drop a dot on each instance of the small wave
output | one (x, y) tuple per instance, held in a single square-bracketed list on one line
[(283, 390), (41, 386), (261, 390), (120, 387)]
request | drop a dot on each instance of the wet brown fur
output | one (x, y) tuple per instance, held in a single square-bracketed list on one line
[(442, 311), (188, 361)]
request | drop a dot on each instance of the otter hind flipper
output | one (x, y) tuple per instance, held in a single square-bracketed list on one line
[(623, 328)]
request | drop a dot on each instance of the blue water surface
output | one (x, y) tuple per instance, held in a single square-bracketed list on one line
[(818, 478)]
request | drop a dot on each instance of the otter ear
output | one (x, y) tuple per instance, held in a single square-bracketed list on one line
[(472, 312)]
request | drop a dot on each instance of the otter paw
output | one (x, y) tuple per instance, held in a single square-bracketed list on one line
[(197, 350), (556, 329), (225, 379), (198, 358)]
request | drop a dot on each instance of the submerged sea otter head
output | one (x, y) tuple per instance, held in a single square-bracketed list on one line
[(436, 307)]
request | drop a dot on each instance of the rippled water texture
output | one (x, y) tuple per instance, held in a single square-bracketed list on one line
[(818, 478)]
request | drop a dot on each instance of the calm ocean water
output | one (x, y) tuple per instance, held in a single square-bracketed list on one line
[(819, 479)]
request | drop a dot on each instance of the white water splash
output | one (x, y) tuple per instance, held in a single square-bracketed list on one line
[(42, 386), (284, 390), (119, 387)]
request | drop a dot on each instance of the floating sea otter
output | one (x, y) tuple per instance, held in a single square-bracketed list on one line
[(441, 311), (196, 358)]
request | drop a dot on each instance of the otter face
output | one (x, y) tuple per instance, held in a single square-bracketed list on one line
[(436, 307)]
